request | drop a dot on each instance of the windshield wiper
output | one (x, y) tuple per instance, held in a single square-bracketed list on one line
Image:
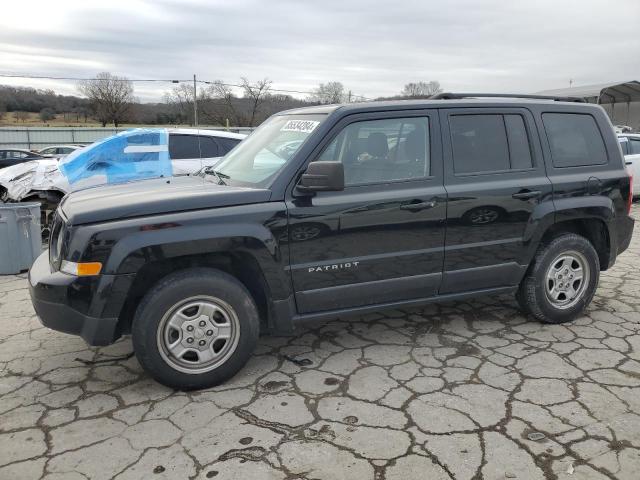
[(219, 175)]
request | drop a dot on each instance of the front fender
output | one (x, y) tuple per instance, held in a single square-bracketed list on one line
[(125, 246)]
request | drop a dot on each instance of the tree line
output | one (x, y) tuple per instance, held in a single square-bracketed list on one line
[(110, 99)]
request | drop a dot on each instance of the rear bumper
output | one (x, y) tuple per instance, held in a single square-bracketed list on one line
[(625, 232), (80, 306)]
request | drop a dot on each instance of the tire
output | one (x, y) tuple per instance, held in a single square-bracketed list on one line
[(570, 297), (204, 305)]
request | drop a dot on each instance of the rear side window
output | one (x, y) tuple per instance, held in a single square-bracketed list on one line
[(226, 144), (634, 146), (208, 147), (519, 148), (574, 139), (624, 144), (183, 147), (489, 143)]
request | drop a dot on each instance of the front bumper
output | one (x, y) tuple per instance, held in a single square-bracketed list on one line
[(84, 306)]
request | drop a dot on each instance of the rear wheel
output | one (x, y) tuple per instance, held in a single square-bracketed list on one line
[(562, 280), (195, 329)]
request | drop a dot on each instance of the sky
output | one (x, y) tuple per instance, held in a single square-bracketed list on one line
[(372, 47)]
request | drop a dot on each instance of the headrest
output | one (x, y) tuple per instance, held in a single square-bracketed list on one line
[(377, 145)]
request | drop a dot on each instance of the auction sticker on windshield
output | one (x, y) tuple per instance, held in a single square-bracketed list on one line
[(304, 126)]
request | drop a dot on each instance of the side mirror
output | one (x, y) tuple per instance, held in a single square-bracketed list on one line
[(322, 177)]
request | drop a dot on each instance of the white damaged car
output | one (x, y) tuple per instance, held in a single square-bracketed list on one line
[(128, 156)]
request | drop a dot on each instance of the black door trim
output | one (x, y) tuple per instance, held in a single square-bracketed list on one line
[(368, 293), (301, 319), (504, 274)]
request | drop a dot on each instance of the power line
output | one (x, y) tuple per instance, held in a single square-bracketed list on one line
[(78, 79), (159, 80)]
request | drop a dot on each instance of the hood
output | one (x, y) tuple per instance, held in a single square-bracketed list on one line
[(153, 197)]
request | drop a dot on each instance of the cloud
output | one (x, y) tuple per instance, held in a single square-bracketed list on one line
[(374, 48)]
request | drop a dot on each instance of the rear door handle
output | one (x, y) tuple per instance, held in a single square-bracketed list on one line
[(416, 207), (527, 194)]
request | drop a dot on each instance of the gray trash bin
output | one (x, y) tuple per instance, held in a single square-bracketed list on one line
[(20, 236)]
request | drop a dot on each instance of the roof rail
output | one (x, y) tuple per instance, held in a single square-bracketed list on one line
[(458, 96)]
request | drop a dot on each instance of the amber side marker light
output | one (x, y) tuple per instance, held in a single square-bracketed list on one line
[(85, 269)]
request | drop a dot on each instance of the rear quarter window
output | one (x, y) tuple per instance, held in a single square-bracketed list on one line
[(208, 147), (574, 139), (624, 145), (226, 144)]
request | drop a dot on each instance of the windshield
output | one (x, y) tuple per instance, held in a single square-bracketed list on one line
[(257, 159)]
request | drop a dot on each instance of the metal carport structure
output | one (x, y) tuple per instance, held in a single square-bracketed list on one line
[(609, 94)]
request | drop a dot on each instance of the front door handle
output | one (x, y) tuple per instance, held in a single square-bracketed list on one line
[(416, 207), (526, 195)]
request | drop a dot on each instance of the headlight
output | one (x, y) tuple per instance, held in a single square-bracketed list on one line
[(85, 269), (56, 239)]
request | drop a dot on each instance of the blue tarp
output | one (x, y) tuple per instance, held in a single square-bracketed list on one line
[(132, 155)]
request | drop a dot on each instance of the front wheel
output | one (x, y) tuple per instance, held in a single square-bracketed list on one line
[(561, 281), (195, 329)]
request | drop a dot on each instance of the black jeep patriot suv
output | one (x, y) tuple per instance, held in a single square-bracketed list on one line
[(334, 210)]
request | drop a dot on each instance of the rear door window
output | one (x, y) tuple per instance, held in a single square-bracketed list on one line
[(484, 143), (634, 146), (574, 140), (184, 147), (519, 146)]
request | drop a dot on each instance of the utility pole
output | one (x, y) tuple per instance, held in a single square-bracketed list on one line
[(349, 101), (195, 102), (570, 82)]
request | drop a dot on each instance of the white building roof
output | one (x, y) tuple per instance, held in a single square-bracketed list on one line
[(614, 92)]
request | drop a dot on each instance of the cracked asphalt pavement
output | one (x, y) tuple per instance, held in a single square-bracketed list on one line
[(464, 390)]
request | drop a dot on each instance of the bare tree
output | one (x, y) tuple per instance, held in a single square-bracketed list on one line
[(21, 116), (257, 94), (219, 104), (421, 89), (180, 98), (330, 92), (82, 111), (111, 97)]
